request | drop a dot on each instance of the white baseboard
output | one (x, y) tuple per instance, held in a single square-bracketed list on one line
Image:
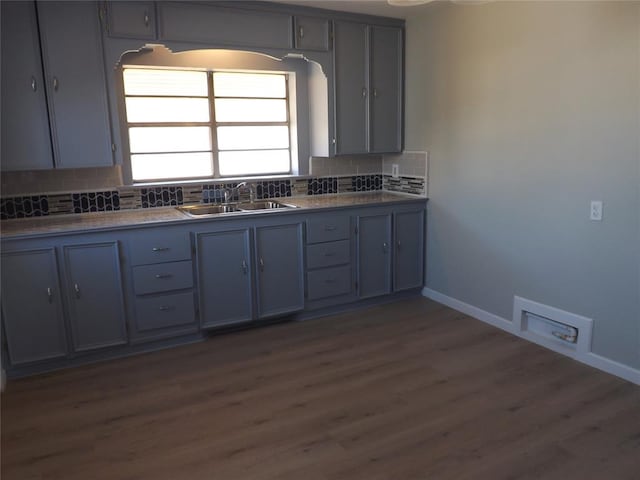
[(589, 358)]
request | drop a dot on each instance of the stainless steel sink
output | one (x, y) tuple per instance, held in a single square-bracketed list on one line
[(207, 209), (266, 205)]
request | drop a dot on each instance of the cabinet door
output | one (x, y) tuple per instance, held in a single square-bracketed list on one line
[(215, 25), (280, 285), (409, 250), (94, 293), (374, 255), (131, 20), (311, 33), (77, 93), (386, 90), (224, 277), (26, 143), (32, 307), (351, 83)]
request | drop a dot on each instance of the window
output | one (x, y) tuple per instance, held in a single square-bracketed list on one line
[(188, 124)]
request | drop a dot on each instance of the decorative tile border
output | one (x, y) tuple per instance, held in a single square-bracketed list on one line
[(129, 198)]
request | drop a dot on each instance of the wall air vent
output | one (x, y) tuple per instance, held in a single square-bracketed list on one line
[(553, 328)]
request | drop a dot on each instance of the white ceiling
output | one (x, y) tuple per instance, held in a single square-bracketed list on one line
[(371, 7)]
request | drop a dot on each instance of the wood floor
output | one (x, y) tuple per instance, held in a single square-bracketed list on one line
[(411, 390)]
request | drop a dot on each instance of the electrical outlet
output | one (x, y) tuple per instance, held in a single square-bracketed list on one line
[(596, 210), (394, 170)]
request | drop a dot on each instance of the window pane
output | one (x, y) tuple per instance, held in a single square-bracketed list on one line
[(162, 166), (249, 85), (158, 109), (169, 139), (254, 162), (176, 83), (247, 138), (241, 110)]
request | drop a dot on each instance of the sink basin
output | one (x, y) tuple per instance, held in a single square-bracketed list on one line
[(266, 205), (207, 209)]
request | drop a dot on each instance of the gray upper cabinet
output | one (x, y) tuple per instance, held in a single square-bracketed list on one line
[(280, 276), (374, 255), (220, 26), (130, 19), (351, 88), (26, 142), (368, 88), (94, 293), (76, 88), (224, 277), (32, 306), (311, 33), (409, 250), (385, 89)]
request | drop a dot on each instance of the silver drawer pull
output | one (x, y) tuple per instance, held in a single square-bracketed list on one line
[(34, 84), (56, 84), (159, 249), (166, 308), (301, 32), (330, 254), (50, 294), (163, 275), (399, 244), (245, 268), (146, 19), (329, 228), (261, 262), (385, 247), (77, 290)]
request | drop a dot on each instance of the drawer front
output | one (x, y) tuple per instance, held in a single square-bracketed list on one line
[(162, 277), (328, 254), (329, 282), (327, 228), (165, 311), (154, 246)]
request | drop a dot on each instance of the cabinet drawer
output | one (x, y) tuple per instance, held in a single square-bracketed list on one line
[(328, 254), (327, 228), (162, 277), (329, 282), (154, 246), (311, 33), (165, 311)]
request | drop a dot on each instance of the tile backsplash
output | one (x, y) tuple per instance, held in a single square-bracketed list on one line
[(57, 192)]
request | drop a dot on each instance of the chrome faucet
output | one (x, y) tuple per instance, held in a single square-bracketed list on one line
[(228, 192)]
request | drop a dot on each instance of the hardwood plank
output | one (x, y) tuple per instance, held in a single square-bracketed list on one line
[(410, 390)]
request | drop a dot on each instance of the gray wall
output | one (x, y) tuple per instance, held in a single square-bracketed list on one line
[(529, 111)]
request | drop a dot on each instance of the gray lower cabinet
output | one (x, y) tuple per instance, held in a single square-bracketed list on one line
[(390, 252), (224, 277), (408, 229), (280, 281), (374, 255), (238, 283), (32, 310), (94, 292), (26, 141), (368, 88)]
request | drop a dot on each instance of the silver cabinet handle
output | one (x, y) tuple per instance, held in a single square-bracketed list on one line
[(261, 264), (34, 84), (146, 19), (399, 244), (77, 290), (375, 92), (385, 247), (55, 84), (301, 32), (50, 294), (364, 92), (163, 275), (245, 268), (159, 249), (166, 308)]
